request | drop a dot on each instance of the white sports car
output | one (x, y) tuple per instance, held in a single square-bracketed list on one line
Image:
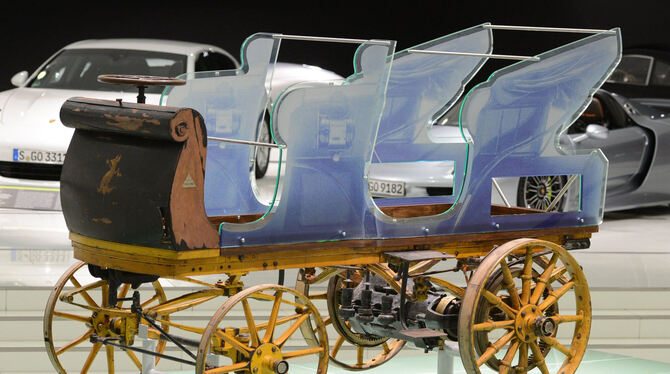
[(34, 142)]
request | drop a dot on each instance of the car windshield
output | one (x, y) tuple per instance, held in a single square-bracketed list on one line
[(78, 69)]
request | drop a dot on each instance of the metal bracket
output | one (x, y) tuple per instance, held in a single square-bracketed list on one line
[(411, 256)]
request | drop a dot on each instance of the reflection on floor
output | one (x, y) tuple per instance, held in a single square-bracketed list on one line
[(594, 362)]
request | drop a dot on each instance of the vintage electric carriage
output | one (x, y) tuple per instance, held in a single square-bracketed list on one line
[(142, 208)]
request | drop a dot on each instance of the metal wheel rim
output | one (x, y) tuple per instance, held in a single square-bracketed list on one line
[(576, 285), (393, 347), (538, 192), (213, 326), (51, 306)]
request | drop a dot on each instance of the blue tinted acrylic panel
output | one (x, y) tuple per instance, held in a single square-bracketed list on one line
[(329, 133), (510, 126), (515, 120), (422, 87), (233, 104)]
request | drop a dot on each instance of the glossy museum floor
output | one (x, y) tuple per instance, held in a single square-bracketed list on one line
[(627, 268)]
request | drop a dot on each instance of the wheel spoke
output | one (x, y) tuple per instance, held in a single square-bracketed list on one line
[(558, 319), (75, 342), (134, 359), (539, 358), (287, 334), (506, 362), (386, 348), (360, 351), (236, 344), (497, 302), (122, 293), (541, 283), (91, 356), (110, 359), (273, 317), (552, 342), (337, 346), (493, 325), (558, 275), (319, 296), (508, 281), (83, 293), (227, 369), (522, 365), (151, 300), (447, 286), (304, 352), (554, 296), (255, 340), (105, 295), (494, 348), (526, 276), (197, 330), (73, 317)]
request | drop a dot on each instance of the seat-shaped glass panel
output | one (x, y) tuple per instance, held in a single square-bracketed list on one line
[(329, 133), (421, 89), (515, 120), (233, 103)]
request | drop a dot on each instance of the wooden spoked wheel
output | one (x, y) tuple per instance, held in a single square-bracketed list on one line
[(370, 351), (489, 312), (518, 320), (75, 313), (263, 343)]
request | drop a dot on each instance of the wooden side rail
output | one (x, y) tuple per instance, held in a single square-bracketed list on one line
[(134, 174)]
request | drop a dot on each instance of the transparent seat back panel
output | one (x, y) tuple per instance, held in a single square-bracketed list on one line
[(421, 89), (329, 133), (515, 120), (233, 103)]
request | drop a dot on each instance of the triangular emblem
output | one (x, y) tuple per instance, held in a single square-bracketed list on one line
[(188, 182)]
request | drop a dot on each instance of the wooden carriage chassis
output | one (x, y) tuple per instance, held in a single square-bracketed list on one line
[(165, 262)]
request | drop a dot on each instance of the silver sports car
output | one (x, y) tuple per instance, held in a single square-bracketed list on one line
[(628, 119), (33, 143)]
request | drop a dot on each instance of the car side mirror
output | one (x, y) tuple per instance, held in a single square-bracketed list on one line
[(597, 132), (20, 78)]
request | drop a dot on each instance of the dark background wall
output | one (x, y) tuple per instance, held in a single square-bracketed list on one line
[(32, 30)]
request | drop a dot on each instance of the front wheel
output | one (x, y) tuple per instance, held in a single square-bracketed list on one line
[(512, 305)]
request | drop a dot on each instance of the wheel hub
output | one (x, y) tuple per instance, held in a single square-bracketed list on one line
[(525, 323), (268, 359), (101, 324), (544, 326)]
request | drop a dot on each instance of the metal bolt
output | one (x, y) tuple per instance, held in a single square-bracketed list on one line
[(425, 230), (523, 314), (242, 240), (255, 370), (274, 349), (343, 233), (258, 352)]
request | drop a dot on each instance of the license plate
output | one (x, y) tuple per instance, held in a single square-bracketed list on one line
[(386, 188), (41, 157)]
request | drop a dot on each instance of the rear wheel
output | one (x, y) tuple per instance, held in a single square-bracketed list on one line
[(540, 191)]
